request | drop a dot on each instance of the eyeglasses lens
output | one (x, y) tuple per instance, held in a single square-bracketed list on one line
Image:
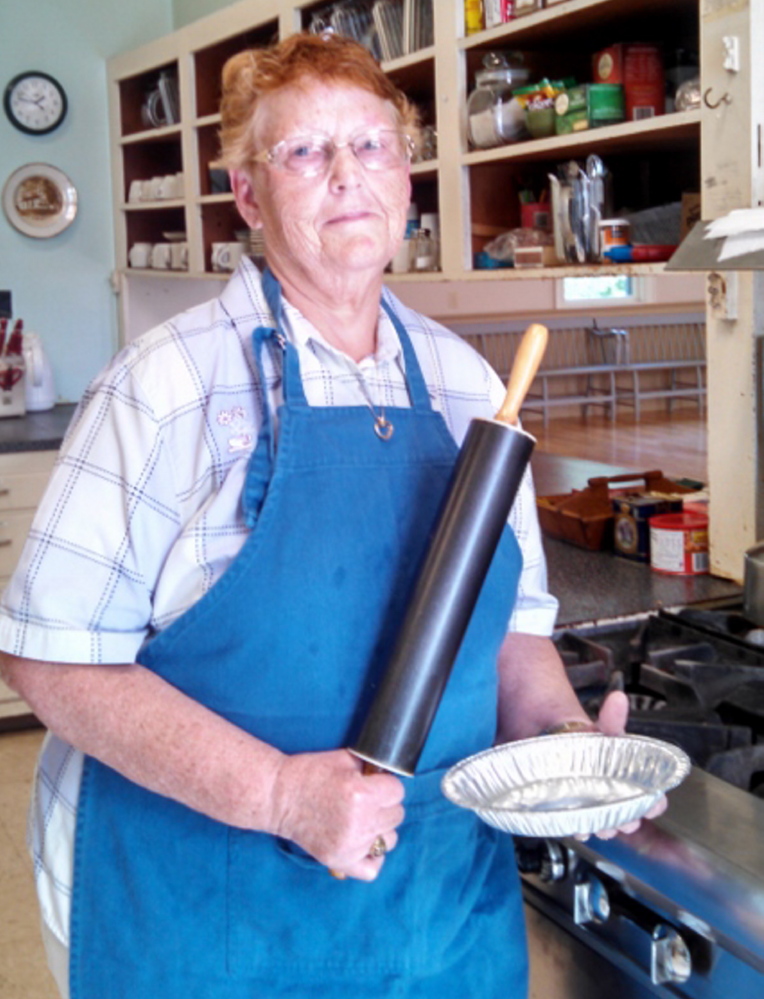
[(311, 155)]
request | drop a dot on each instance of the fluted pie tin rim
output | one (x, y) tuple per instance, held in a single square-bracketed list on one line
[(564, 785)]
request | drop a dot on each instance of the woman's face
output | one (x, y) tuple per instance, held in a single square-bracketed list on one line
[(346, 220)]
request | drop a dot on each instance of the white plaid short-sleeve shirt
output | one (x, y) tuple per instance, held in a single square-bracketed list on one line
[(143, 515)]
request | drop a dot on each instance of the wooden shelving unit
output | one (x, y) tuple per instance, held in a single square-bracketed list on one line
[(475, 191)]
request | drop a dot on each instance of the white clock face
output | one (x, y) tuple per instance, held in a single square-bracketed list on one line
[(35, 103)]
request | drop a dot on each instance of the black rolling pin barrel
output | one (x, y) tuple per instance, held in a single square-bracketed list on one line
[(490, 466)]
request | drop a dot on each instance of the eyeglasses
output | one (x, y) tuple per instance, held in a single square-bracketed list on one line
[(311, 155)]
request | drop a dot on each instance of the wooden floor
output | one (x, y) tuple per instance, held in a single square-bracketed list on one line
[(676, 444)]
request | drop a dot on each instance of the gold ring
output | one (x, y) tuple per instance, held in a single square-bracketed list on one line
[(378, 848)]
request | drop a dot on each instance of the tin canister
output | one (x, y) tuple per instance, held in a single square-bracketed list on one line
[(606, 104), (679, 543), (631, 527)]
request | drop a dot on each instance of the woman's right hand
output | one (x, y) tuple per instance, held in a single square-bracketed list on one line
[(325, 804)]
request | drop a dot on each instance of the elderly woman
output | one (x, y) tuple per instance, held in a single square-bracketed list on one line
[(214, 580)]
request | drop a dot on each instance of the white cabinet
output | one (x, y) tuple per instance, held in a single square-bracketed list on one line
[(23, 477)]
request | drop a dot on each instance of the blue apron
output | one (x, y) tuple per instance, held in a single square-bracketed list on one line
[(169, 904)]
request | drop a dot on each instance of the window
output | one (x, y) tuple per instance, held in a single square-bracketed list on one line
[(604, 291)]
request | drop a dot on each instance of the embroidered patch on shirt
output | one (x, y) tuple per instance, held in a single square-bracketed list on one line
[(243, 436)]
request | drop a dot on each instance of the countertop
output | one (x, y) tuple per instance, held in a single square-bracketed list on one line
[(596, 586), (35, 431), (591, 586)]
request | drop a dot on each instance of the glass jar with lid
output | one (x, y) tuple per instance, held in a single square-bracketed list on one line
[(493, 117)]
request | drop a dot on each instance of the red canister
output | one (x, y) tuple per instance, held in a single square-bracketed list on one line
[(679, 543)]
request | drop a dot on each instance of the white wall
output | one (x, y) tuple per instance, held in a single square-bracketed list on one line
[(61, 286)]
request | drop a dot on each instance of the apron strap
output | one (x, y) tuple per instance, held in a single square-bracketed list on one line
[(260, 469), (417, 387), (261, 463)]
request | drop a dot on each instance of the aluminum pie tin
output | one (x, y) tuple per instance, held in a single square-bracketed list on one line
[(565, 785)]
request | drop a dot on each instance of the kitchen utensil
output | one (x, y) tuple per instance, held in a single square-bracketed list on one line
[(40, 386), (753, 584), (565, 785), (490, 466), (577, 206)]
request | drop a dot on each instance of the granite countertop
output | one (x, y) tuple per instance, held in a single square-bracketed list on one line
[(35, 431), (599, 585)]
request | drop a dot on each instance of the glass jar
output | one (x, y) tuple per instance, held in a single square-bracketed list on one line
[(493, 116), (423, 251)]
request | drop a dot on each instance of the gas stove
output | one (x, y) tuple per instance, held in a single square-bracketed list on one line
[(676, 909), (694, 677)]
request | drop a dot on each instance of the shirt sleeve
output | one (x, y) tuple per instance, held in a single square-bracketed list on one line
[(82, 591), (535, 610)]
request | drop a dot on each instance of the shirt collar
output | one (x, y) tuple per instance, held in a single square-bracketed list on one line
[(302, 332)]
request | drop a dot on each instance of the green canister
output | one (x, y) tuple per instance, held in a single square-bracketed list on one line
[(606, 104)]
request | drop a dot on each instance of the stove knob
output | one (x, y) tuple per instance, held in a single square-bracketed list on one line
[(554, 865), (591, 902), (544, 857), (671, 960)]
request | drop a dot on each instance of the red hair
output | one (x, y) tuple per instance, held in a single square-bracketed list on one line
[(251, 74)]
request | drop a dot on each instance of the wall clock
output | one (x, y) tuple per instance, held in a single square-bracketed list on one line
[(35, 102)]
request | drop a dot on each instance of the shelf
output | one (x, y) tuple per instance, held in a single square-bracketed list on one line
[(424, 168), (215, 199), (587, 21), (681, 128), (152, 135), (152, 206), (531, 273), (393, 66)]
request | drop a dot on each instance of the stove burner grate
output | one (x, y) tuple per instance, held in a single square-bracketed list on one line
[(696, 689)]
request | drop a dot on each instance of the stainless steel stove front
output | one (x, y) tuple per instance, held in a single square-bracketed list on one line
[(676, 910)]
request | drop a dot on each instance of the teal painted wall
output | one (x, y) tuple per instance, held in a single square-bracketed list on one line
[(61, 286), (186, 11)]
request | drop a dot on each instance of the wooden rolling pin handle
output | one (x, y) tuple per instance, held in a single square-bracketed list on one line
[(526, 364)]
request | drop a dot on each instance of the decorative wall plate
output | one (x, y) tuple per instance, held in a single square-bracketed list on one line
[(39, 200)]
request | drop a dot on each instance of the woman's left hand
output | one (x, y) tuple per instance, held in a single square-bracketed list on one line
[(612, 719)]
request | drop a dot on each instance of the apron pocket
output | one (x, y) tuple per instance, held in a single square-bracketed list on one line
[(286, 913)]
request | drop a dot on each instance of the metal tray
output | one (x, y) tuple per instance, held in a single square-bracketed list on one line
[(564, 785)]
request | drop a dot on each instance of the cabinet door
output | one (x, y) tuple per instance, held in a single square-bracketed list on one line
[(23, 477)]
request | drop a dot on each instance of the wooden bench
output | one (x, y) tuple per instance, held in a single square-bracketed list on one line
[(627, 362)]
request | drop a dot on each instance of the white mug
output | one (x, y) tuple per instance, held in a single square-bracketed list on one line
[(179, 256), (225, 256), (153, 188), (136, 192), (167, 186), (140, 254), (161, 256)]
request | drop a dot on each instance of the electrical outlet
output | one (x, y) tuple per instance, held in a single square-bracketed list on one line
[(731, 44)]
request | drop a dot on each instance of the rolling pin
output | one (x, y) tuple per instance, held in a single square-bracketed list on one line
[(490, 465)]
